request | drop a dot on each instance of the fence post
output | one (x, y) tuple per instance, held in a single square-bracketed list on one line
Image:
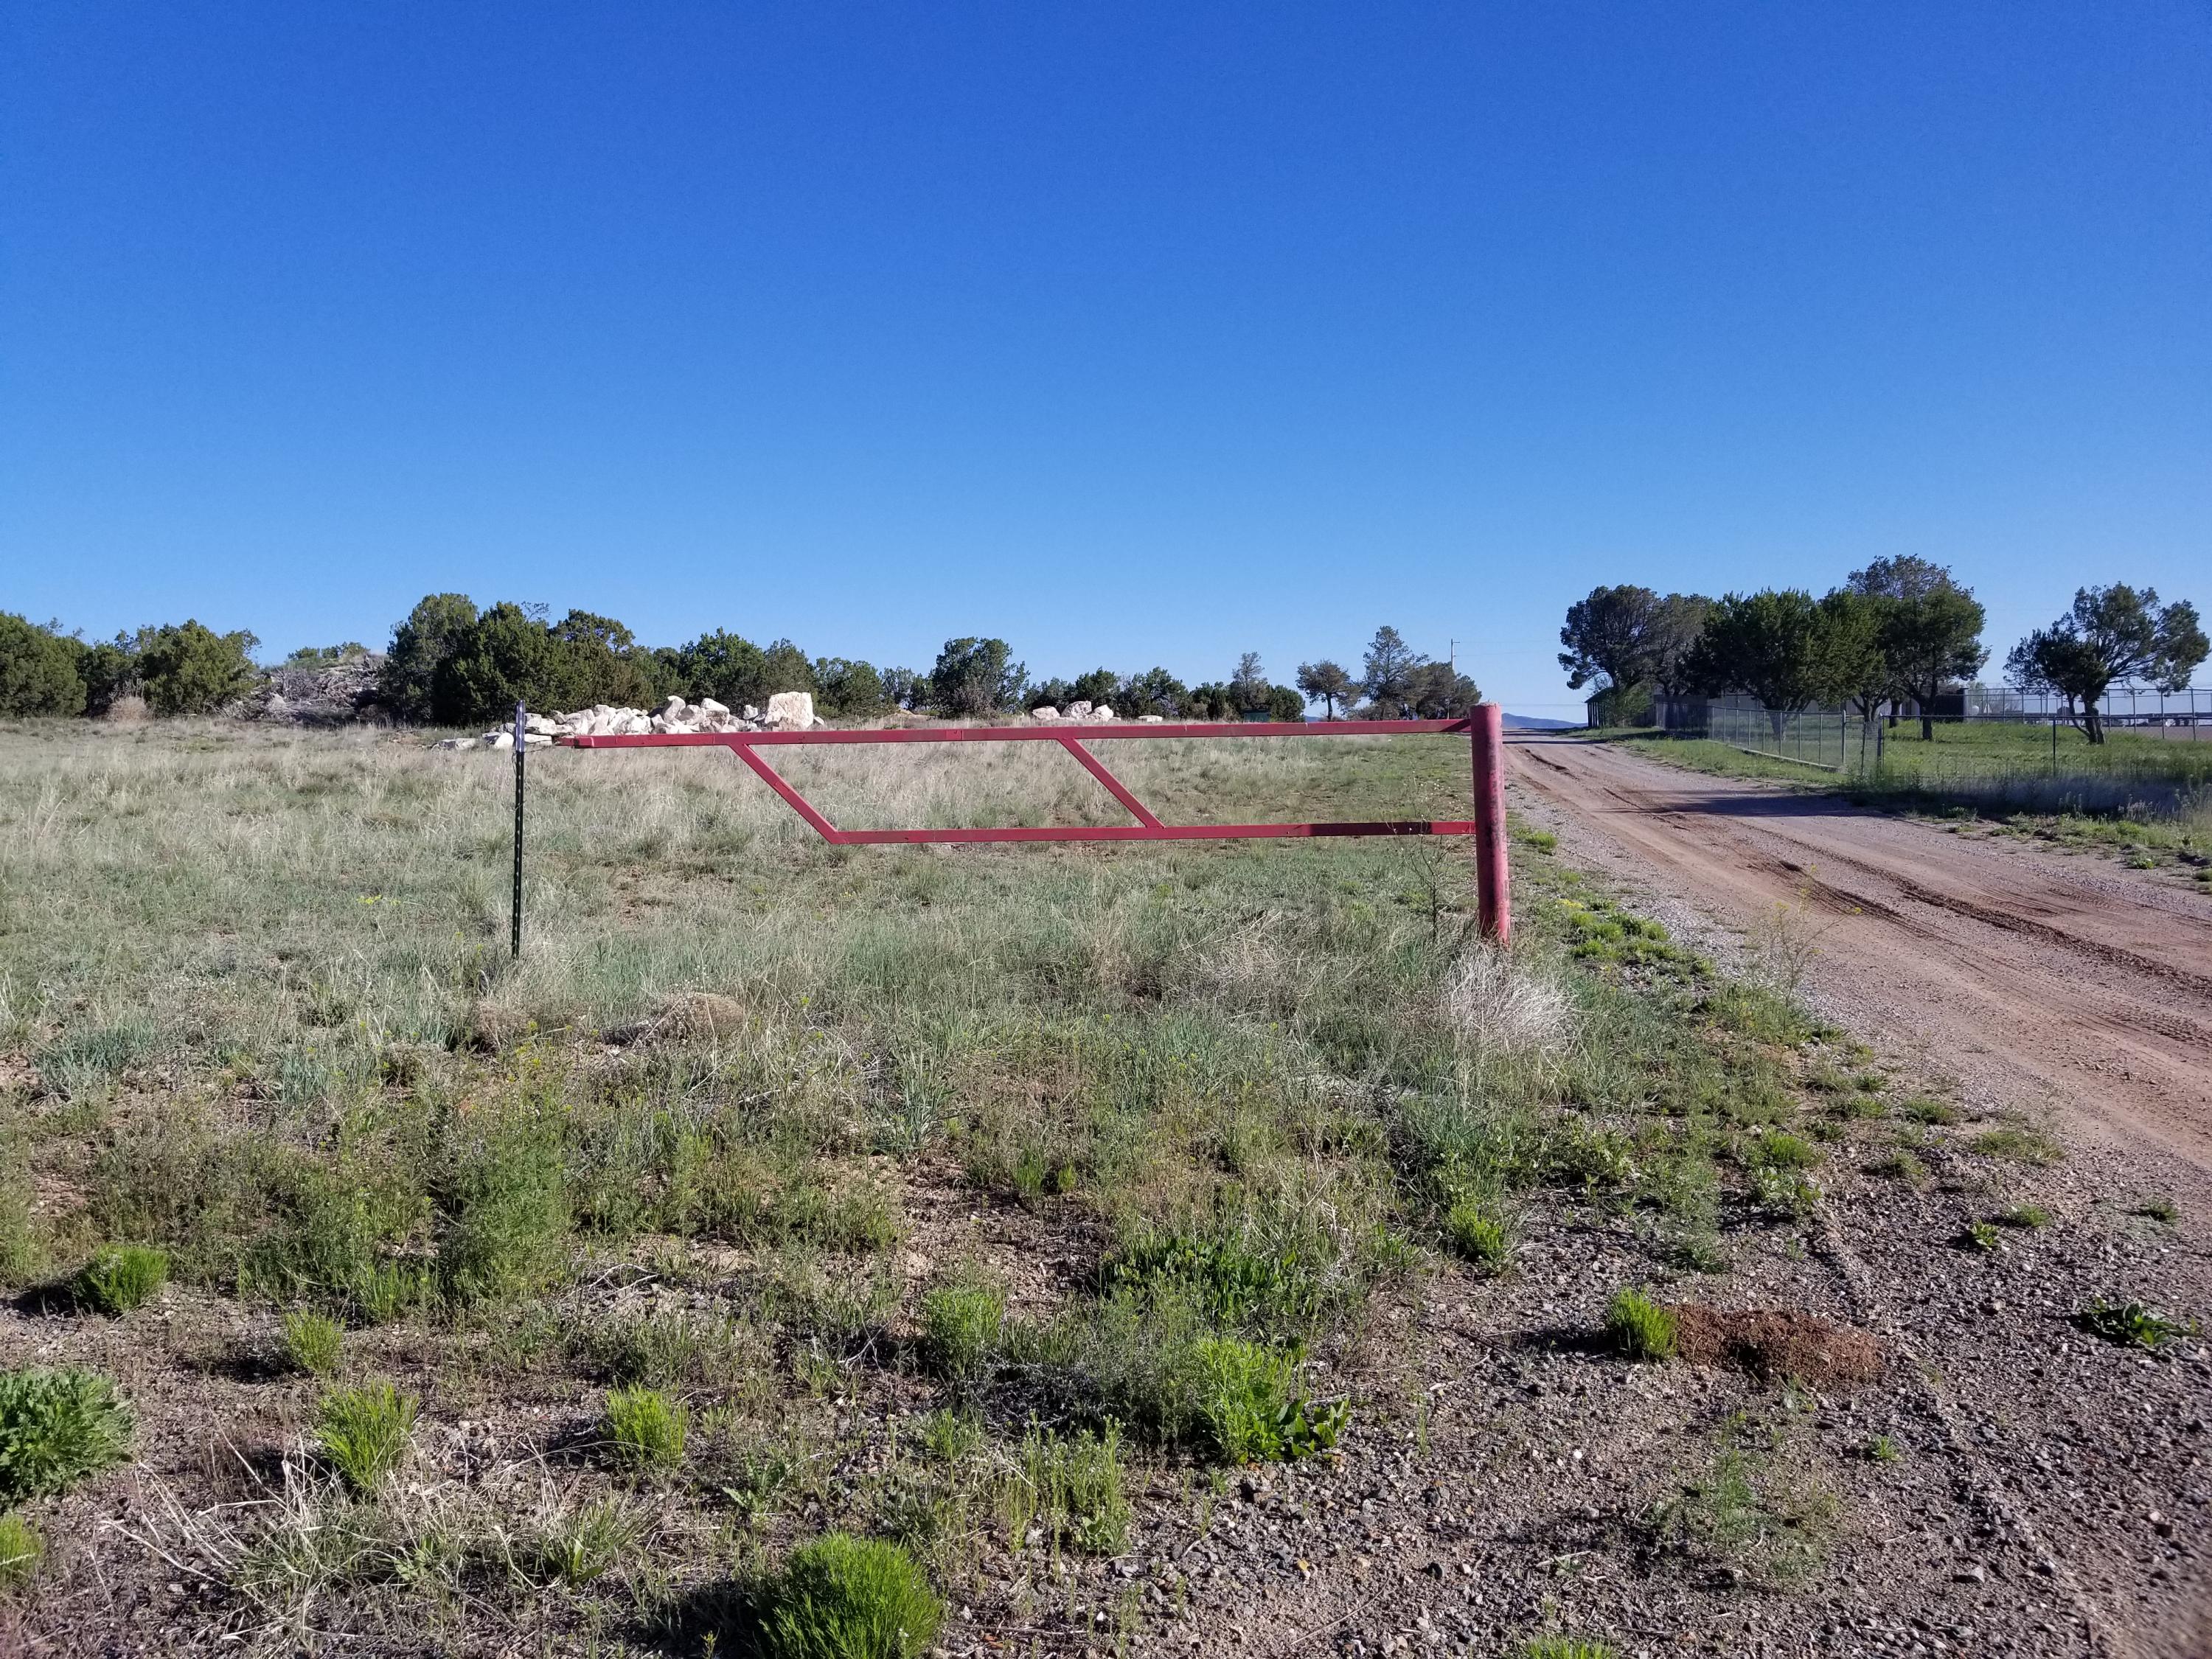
[(521, 747), (1492, 884)]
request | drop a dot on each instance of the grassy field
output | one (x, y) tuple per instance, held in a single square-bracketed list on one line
[(2146, 797), (794, 1229)]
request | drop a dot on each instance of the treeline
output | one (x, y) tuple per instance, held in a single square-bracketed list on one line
[(451, 664), (1902, 630)]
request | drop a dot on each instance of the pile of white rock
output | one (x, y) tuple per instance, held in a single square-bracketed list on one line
[(1083, 714), (788, 711)]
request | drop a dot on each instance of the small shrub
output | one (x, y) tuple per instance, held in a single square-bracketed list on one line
[(839, 1598), (2018, 1145), (963, 1323), (2135, 1324), (1979, 1236), (1248, 1402), (364, 1431), (1075, 1482), (121, 1278), (1925, 1108), (2029, 1217), (1777, 1149), (583, 1546), (1787, 1193), (1902, 1164), (21, 1547), (1637, 1326), (1478, 1235), (58, 1427), (388, 1290), (313, 1342), (1881, 1450), (1565, 1646), (647, 1428)]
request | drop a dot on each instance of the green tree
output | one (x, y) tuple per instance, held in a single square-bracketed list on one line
[(1326, 684), (1389, 665), (1766, 645), (506, 656), (38, 670), (2113, 637), (1096, 687), (848, 689), (906, 689), (110, 672), (784, 667), (599, 661), (727, 667), (1435, 692), (1155, 691), (189, 669), (1931, 631), (404, 684), (1609, 638), (977, 677), (1673, 638), (1249, 684), (1853, 667)]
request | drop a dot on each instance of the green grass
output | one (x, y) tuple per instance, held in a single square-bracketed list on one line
[(2017, 1145), (2158, 1209), (21, 1551), (1926, 1109), (961, 1323), (646, 1429), (1072, 1487), (313, 1342), (1565, 1647), (1638, 1327), (839, 1598), (1479, 1234), (2024, 1218), (120, 1278), (58, 1428), (365, 1432)]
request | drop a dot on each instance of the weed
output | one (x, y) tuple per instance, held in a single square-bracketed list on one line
[(1881, 1450), (2132, 1323), (313, 1342), (2028, 1217), (1926, 1109), (1479, 1234), (660, 1347), (949, 1435), (1638, 1327), (1779, 1150), (364, 1431), (1565, 1647), (1900, 1165), (1786, 1193), (1073, 1484), (962, 1322), (839, 1598), (2018, 1145), (21, 1548), (1743, 1511), (57, 1428), (647, 1428), (2158, 1209), (1249, 1401), (121, 1278), (581, 1546), (1979, 1236)]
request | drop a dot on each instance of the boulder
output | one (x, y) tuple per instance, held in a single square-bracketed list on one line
[(1150, 719), (790, 711), (454, 743), (1048, 713), (1078, 710), (709, 707), (498, 740), (533, 739), (539, 724), (1104, 713)]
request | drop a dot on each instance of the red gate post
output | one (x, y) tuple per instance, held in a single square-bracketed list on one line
[(1492, 885)]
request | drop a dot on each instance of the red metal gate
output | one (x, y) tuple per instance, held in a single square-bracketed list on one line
[(1484, 726)]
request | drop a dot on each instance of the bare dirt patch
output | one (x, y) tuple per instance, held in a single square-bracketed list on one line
[(1776, 1345)]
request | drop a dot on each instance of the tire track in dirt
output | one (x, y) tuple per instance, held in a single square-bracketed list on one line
[(2043, 979)]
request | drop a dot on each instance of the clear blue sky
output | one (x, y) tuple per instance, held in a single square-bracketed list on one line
[(1133, 333)]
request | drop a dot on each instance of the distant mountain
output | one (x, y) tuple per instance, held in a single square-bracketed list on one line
[(1531, 723)]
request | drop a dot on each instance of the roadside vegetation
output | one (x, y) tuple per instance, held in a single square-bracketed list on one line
[(826, 1241)]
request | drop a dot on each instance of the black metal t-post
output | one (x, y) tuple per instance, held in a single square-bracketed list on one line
[(521, 747)]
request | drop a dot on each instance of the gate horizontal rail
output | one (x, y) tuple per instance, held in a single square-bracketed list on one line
[(1484, 727)]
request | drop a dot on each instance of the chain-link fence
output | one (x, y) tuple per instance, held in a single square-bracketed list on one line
[(1825, 737)]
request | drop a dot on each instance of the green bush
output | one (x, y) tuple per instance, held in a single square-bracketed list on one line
[(2029, 1217), (2135, 1324), (2018, 1145), (313, 1342), (1075, 1483), (839, 1598), (1924, 1108), (1777, 1149), (962, 1323), (364, 1431), (1478, 1235), (57, 1427), (21, 1547), (1251, 1408), (1563, 1647), (1637, 1326), (38, 670), (647, 1428), (120, 1278)]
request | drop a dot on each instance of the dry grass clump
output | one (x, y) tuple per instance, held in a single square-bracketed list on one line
[(1777, 1344), (1491, 1001)]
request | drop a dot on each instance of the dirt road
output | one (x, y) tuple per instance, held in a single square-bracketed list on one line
[(2037, 980)]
